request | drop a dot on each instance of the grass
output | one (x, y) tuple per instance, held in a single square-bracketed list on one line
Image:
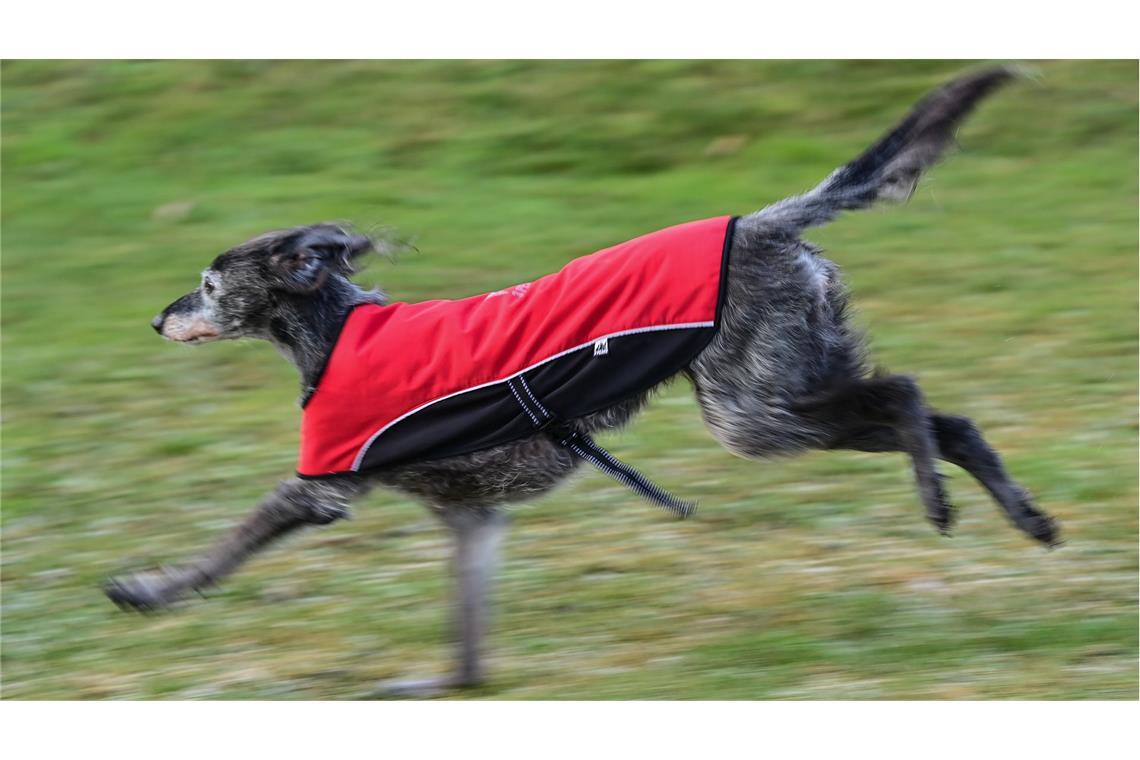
[(1008, 285)]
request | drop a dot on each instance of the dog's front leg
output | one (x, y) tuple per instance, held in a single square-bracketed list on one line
[(294, 504), (478, 535)]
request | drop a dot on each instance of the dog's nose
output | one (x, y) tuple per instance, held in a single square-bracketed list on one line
[(156, 323)]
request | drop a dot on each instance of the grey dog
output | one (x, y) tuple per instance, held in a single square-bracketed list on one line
[(785, 373)]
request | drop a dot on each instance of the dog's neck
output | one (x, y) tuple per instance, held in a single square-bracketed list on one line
[(305, 329)]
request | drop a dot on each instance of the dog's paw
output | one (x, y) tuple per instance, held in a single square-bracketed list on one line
[(142, 592), (944, 522), (418, 688), (942, 514), (1036, 524)]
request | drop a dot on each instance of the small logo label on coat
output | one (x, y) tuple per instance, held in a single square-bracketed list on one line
[(601, 347), (518, 291)]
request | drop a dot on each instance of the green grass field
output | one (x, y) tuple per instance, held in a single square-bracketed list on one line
[(1008, 286)]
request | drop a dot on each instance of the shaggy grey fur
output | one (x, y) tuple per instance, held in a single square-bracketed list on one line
[(785, 373)]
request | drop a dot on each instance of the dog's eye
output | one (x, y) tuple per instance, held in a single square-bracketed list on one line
[(208, 288)]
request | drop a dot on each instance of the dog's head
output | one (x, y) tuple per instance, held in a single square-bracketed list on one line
[(242, 288)]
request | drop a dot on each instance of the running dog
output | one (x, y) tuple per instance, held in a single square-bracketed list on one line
[(761, 334)]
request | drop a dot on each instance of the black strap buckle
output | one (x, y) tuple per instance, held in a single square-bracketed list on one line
[(582, 446)]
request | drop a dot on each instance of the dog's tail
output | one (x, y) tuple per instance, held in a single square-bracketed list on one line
[(890, 169)]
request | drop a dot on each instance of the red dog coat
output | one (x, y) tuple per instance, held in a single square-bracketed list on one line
[(422, 381)]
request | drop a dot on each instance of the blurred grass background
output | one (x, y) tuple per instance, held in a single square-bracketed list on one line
[(1008, 285)]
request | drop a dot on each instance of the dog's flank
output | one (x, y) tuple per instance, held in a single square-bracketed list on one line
[(784, 373)]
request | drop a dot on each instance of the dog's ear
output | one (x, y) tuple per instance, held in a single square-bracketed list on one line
[(302, 263)]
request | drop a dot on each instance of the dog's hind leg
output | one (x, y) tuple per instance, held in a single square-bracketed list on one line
[(295, 503), (895, 402), (961, 443), (478, 535)]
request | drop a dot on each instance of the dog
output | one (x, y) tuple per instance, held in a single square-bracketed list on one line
[(783, 373)]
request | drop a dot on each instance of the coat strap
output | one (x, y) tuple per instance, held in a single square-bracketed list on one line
[(584, 447)]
